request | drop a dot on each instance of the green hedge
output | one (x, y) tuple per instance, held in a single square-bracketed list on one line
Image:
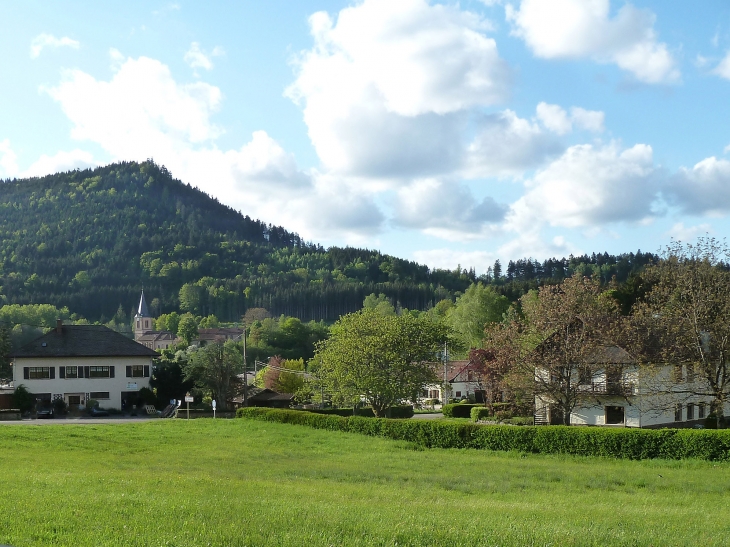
[(460, 410), (479, 413), (398, 411), (635, 444)]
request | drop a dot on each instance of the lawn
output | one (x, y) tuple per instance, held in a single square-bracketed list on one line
[(241, 482)]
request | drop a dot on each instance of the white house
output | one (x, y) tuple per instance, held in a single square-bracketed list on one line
[(617, 392), (460, 379), (82, 362)]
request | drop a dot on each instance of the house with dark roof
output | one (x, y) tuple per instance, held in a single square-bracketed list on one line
[(459, 379), (81, 362)]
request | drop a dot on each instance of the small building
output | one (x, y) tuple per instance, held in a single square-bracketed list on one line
[(220, 334), (264, 397), (81, 362), (460, 379)]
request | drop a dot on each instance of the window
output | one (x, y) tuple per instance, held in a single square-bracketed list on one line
[(678, 413), (72, 372), (458, 394), (701, 411), (99, 372), (690, 411), (99, 395), (138, 371), (39, 373)]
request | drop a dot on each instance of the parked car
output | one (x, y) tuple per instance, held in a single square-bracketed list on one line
[(44, 412), (97, 412)]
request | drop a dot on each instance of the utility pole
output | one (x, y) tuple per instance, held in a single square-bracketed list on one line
[(245, 373), (446, 376)]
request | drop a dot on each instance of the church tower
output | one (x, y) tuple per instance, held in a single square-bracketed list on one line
[(142, 320)]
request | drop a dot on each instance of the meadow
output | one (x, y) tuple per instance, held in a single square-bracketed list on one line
[(243, 482)]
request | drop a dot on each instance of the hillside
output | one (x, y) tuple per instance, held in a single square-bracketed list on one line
[(90, 240)]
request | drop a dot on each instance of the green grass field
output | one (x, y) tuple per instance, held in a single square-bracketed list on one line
[(241, 482)]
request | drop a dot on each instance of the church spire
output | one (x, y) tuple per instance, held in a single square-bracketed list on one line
[(142, 310)]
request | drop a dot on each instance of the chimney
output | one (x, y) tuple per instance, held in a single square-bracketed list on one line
[(59, 326)]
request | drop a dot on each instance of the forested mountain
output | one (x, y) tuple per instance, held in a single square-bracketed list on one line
[(90, 240)]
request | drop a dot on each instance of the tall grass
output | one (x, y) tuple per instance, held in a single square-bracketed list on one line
[(241, 482)]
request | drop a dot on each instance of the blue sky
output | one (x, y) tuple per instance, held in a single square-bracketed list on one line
[(448, 133)]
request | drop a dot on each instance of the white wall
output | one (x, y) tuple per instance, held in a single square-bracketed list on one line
[(64, 386)]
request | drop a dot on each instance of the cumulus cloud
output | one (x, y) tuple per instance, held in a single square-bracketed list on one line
[(556, 119), (142, 112), (447, 209), (195, 57), (506, 145), (61, 161), (449, 258), (8, 159), (723, 67), (703, 189), (584, 29), (588, 186), (687, 234), (386, 87), (48, 40), (141, 109)]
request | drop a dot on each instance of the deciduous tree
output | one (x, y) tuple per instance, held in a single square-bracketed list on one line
[(382, 358)]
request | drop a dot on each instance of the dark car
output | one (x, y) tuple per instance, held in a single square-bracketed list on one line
[(97, 412), (44, 412)]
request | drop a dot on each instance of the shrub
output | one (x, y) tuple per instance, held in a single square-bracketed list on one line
[(23, 399), (460, 410), (397, 411), (59, 406), (479, 413), (632, 444), (711, 422)]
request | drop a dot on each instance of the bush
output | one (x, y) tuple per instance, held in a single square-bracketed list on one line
[(23, 399), (634, 444), (711, 422), (479, 413), (460, 410), (59, 406), (397, 411)]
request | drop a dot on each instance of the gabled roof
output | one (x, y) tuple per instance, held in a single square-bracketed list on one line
[(155, 335), (142, 309), (84, 341)]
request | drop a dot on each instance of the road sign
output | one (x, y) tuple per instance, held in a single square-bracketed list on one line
[(189, 399)]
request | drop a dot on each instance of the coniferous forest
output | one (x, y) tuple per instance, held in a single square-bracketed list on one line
[(90, 240)]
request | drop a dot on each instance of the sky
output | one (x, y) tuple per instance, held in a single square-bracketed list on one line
[(450, 133)]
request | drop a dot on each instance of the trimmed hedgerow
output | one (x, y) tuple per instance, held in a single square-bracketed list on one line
[(634, 444), (459, 410), (479, 413), (397, 411)]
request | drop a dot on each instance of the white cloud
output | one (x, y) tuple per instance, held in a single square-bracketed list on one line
[(590, 120), (449, 259), (61, 161), (554, 118), (386, 89), (589, 185), (704, 189), (8, 159), (506, 145), (688, 234), (143, 112), (584, 29), (723, 67), (195, 57), (447, 210), (48, 40), (557, 120), (142, 109)]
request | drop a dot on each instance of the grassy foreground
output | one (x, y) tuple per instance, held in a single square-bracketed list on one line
[(241, 482)]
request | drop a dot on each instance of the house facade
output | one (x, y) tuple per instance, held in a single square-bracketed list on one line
[(81, 362), (618, 393), (460, 380)]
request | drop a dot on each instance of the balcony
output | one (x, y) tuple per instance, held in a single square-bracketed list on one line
[(622, 389)]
